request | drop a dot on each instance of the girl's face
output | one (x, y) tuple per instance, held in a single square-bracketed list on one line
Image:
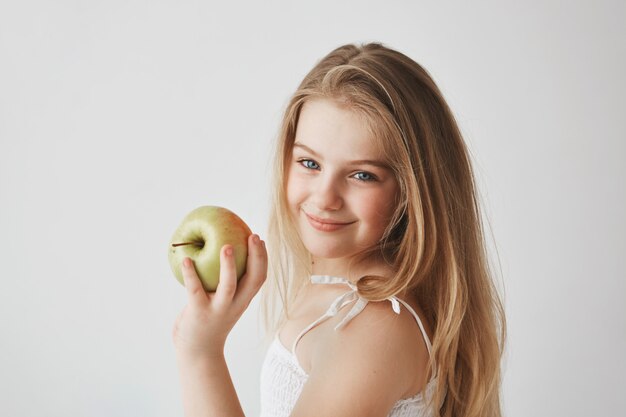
[(340, 191)]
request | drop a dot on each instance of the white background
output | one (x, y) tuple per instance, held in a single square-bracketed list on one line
[(119, 117)]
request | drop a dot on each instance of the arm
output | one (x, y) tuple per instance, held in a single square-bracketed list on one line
[(202, 327), (364, 368), (207, 388)]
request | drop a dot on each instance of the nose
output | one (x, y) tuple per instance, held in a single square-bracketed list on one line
[(327, 194)]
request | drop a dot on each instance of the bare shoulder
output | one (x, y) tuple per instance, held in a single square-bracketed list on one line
[(389, 340), (379, 357)]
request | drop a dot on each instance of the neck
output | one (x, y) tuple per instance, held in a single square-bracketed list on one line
[(349, 269)]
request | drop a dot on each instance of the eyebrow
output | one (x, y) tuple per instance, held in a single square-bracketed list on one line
[(372, 162)]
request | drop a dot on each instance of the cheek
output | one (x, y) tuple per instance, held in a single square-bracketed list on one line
[(293, 190), (378, 208)]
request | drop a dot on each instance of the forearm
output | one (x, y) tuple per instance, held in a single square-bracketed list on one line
[(207, 388)]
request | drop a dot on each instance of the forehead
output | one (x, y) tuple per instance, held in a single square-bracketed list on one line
[(328, 125)]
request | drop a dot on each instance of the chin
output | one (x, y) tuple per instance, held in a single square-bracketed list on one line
[(328, 250)]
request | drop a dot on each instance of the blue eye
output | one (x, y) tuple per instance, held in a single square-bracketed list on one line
[(364, 176), (310, 164)]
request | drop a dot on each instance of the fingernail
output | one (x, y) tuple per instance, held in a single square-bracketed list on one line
[(229, 251), (255, 239), (186, 262)]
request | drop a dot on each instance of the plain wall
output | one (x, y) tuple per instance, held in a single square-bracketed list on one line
[(119, 117)]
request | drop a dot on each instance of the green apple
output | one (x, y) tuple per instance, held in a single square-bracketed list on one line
[(201, 236)]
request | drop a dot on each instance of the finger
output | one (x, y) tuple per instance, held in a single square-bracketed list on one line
[(227, 285), (256, 270), (195, 291)]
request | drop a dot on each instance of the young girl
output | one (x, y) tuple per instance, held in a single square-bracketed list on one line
[(380, 301)]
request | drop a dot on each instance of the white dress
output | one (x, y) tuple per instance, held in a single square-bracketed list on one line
[(282, 377)]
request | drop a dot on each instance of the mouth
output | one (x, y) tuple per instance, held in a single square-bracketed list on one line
[(326, 225)]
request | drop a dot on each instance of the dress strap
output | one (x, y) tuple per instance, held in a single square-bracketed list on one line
[(348, 297), (359, 305), (339, 303), (419, 323)]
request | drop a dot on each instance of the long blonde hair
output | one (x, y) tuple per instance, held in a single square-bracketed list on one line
[(435, 241)]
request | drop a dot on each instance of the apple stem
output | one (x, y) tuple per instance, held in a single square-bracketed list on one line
[(186, 243)]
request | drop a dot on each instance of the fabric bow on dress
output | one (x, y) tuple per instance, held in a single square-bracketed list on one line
[(347, 298)]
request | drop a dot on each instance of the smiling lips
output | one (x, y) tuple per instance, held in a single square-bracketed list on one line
[(325, 225)]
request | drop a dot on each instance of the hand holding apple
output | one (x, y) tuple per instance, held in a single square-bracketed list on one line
[(201, 236), (202, 327), (224, 251)]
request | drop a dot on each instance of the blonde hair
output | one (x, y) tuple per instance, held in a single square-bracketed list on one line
[(435, 241)]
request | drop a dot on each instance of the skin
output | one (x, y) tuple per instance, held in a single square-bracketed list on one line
[(352, 202), (330, 178), (201, 329)]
